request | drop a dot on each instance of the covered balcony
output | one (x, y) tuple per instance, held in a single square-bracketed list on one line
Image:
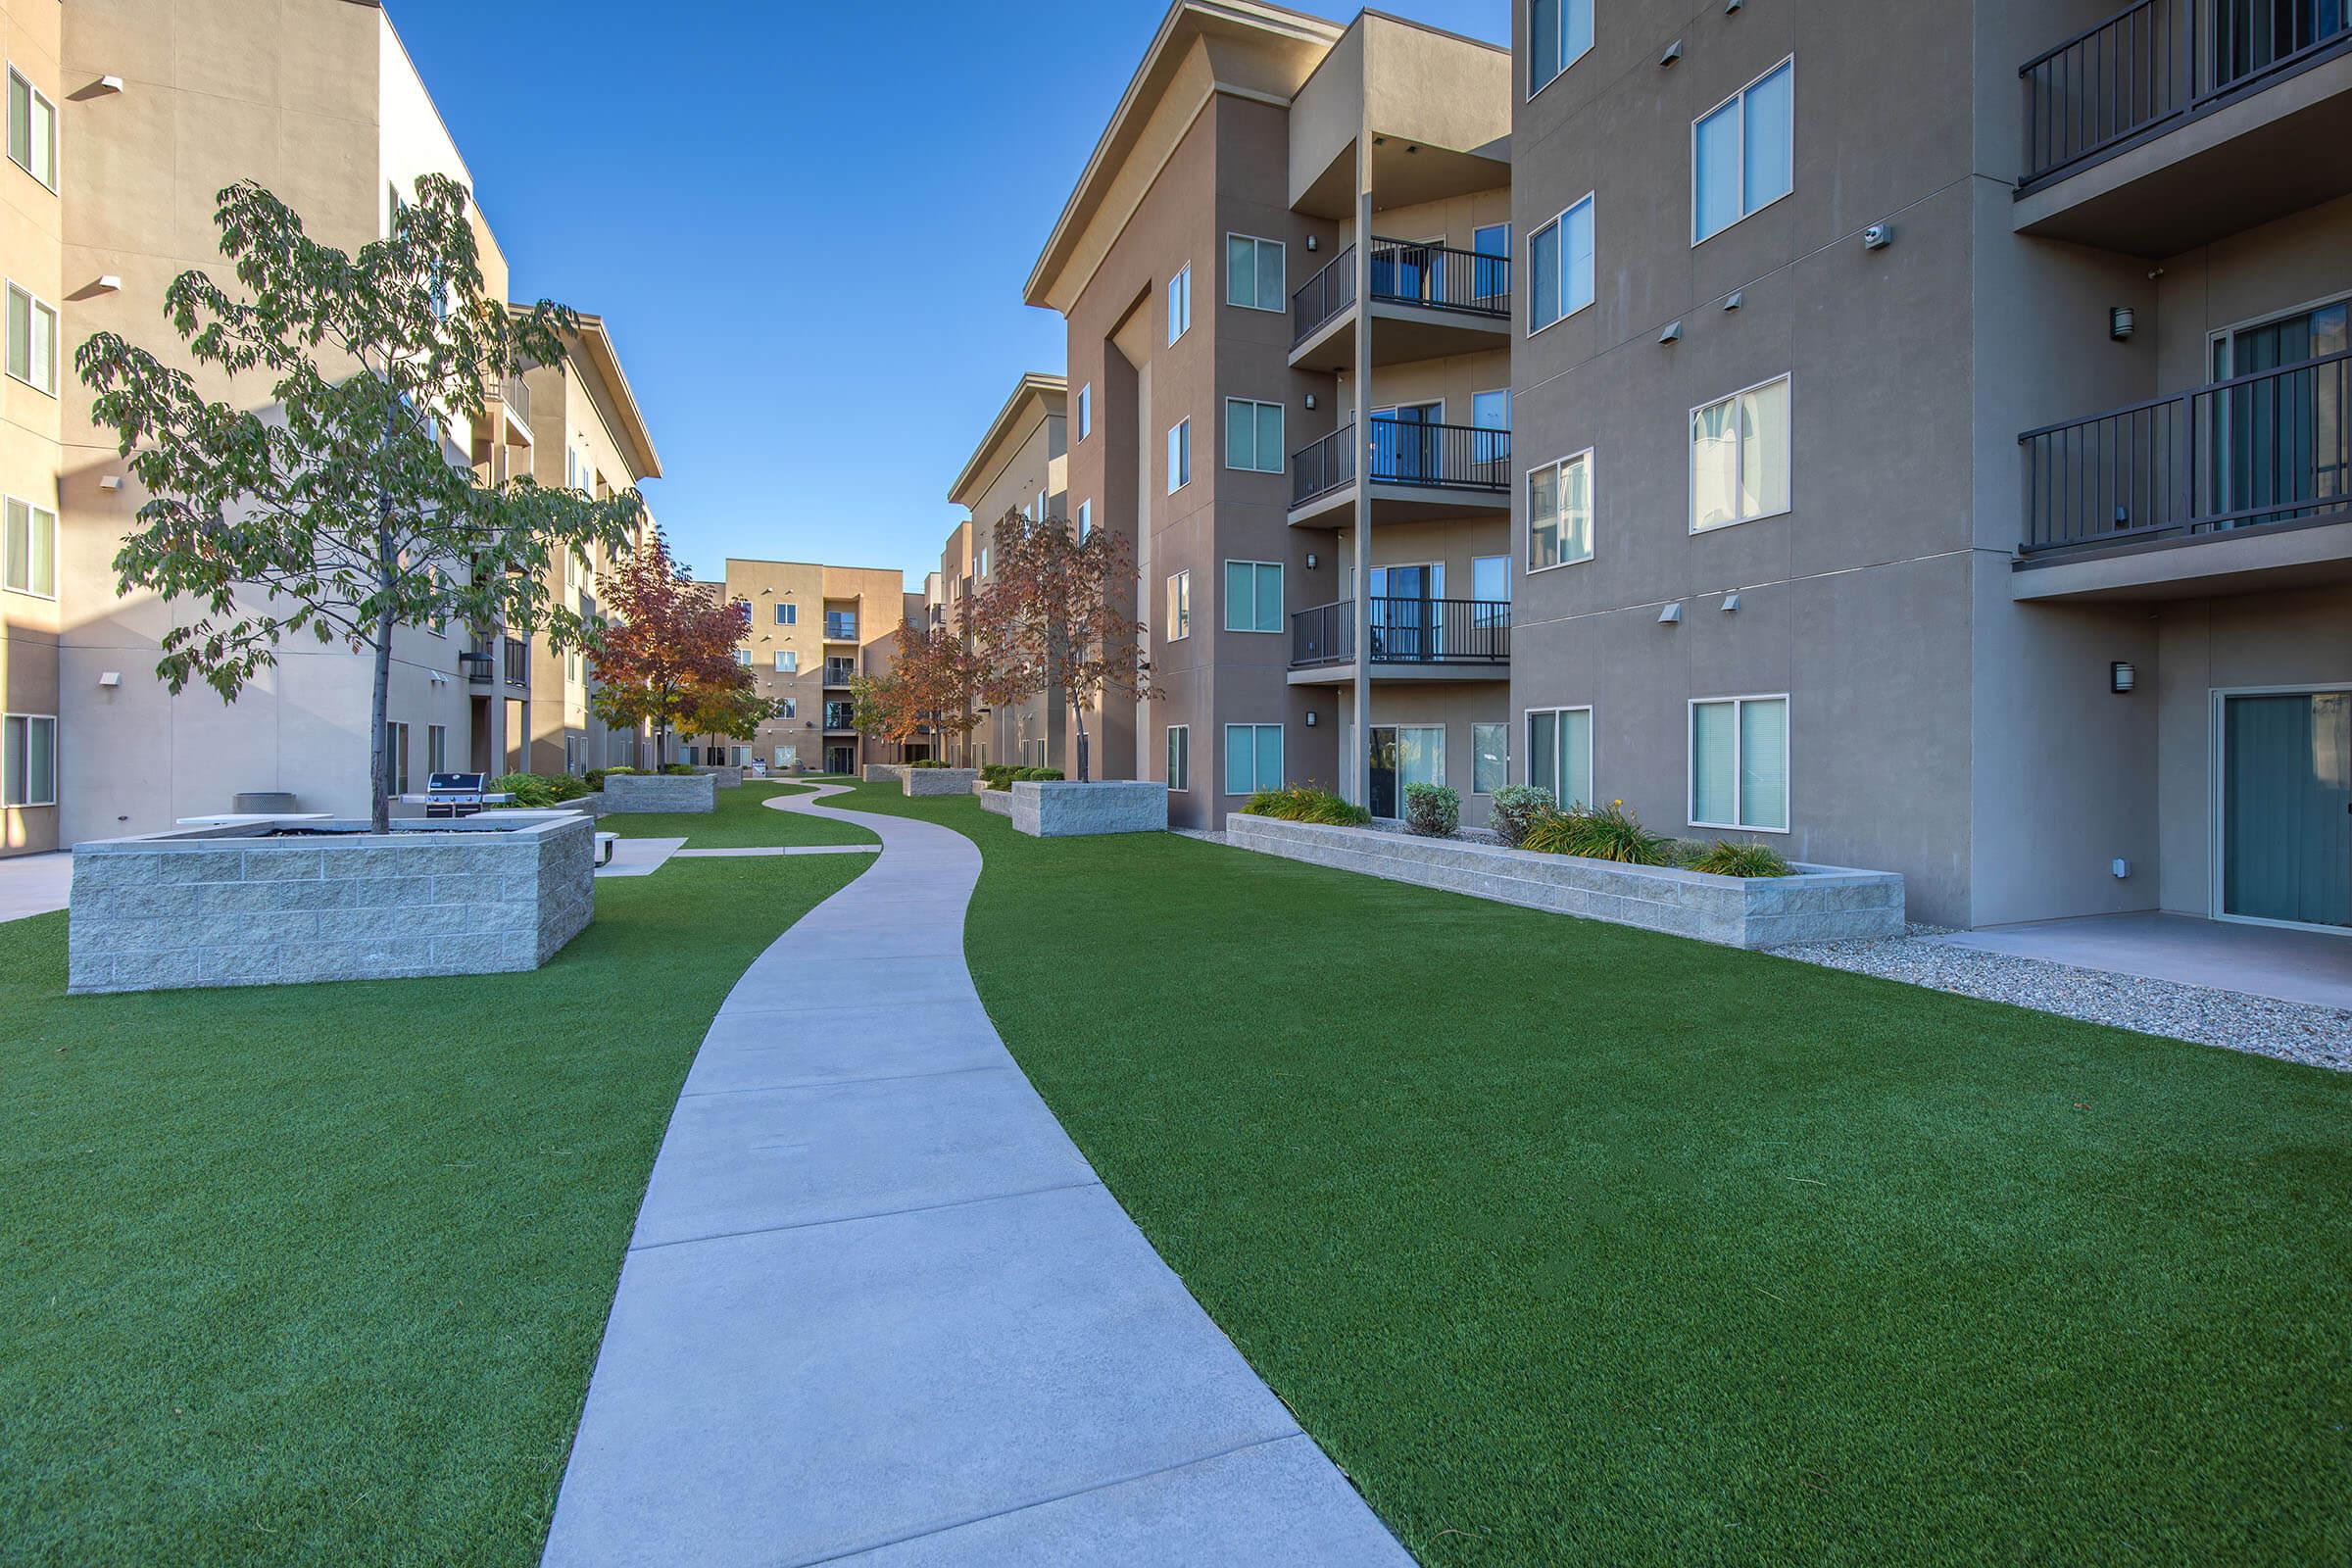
[(1419, 472), (838, 671), (2238, 486), (839, 718), (1432, 300), (2173, 122), (1412, 639)]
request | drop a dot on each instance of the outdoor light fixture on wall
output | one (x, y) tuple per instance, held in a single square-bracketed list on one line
[(1310, 402), (2121, 677), (1310, 718), (2121, 319)]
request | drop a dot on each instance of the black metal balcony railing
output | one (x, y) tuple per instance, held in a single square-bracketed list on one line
[(839, 670), (1409, 272), (480, 661), (1405, 631), (839, 716), (2272, 447), (517, 391), (840, 628), (518, 662), (1442, 456), (2159, 61)]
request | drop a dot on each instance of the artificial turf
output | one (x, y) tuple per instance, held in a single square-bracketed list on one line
[(316, 1274), (1574, 1243)]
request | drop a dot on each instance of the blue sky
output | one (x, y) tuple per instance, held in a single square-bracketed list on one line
[(808, 237)]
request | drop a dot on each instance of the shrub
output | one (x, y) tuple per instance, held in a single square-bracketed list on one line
[(1516, 806), (598, 775), (927, 763), (1307, 803), (1610, 834), (676, 768), (1432, 811), (528, 790), (1740, 859)]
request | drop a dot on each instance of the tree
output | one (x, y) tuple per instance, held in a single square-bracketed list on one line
[(1050, 619), (334, 511), (669, 654), (735, 713), (939, 680)]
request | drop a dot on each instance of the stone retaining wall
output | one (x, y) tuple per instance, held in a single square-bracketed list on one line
[(940, 780), (1819, 904), (231, 906), (729, 775), (997, 801), (884, 772), (631, 793), (1065, 810)]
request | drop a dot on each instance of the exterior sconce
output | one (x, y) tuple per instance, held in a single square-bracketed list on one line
[(1731, 601), (2121, 319), (1672, 615), (2121, 677), (1310, 561), (107, 84), (1310, 402), (1310, 718), (1310, 242)]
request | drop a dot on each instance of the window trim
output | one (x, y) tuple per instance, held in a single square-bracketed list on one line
[(1691, 457), (1738, 802), (1168, 758), (29, 805), (1590, 199), (1592, 485), (1179, 598), (1697, 239), (1282, 589), (1180, 288), (1184, 424), (30, 507), (1086, 410), (1282, 245), (39, 304), (1565, 65), (1526, 717), (56, 151), (1225, 763), (1282, 460)]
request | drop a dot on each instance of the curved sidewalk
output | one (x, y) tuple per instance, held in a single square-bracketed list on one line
[(878, 1309)]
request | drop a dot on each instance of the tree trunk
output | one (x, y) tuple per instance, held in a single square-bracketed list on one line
[(379, 813), (1078, 721)]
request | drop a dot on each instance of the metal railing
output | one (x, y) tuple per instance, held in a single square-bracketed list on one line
[(839, 670), (1442, 456), (2159, 61), (840, 715), (518, 662), (839, 627), (517, 391), (1405, 631), (1410, 273), (480, 661), (2272, 447), (1323, 296)]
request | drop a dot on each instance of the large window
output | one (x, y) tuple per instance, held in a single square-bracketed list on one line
[(1252, 757), (1490, 757), (788, 661), (29, 759), (1253, 435), (1086, 410), (31, 340), (1253, 596), (1179, 625), (30, 548), (1180, 455), (396, 748), (1254, 273), (1559, 754), (436, 750), (31, 130), (1559, 267), (1559, 512), (1180, 758), (1085, 519), (1558, 32), (1741, 152), (1740, 456), (1740, 764), (1180, 301)]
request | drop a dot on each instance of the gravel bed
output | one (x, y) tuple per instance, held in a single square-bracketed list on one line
[(1203, 834), (2321, 1037)]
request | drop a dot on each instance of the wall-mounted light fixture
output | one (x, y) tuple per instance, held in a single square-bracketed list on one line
[(1310, 402), (109, 284), (1310, 561), (106, 84), (1672, 615), (1735, 301), (110, 481), (1310, 718), (111, 679), (1731, 601), (1673, 333), (2121, 677), (1310, 242), (2121, 319), (2121, 867)]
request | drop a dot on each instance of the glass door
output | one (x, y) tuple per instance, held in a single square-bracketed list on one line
[(1406, 625), (1404, 754), (2287, 807), (1401, 442), (1384, 770), (2284, 438)]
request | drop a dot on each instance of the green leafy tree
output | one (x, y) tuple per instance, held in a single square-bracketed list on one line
[(331, 507)]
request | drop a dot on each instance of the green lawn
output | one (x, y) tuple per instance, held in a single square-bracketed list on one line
[(1579, 1245), (315, 1275)]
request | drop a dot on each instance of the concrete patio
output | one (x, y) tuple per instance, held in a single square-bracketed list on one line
[(2311, 968), (34, 884)]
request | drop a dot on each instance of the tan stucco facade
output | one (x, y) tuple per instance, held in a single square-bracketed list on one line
[(812, 627)]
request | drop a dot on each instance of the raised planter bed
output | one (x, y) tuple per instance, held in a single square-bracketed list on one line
[(997, 801), (627, 793), (1065, 810), (239, 907), (729, 775), (1818, 903), (939, 780), (884, 772)]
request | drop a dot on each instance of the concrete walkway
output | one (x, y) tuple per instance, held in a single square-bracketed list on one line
[(878, 1309), (34, 884), (2312, 967)]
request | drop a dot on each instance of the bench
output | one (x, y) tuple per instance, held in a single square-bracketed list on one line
[(604, 843)]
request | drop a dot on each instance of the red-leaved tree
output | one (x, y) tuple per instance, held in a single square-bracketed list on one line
[(1048, 621), (933, 683), (671, 653)]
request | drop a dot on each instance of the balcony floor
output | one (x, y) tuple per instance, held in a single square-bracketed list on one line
[(1397, 503), (1407, 332), (2244, 561), (1419, 673)]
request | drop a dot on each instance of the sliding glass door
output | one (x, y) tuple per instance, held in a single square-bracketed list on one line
[(2286, 806)]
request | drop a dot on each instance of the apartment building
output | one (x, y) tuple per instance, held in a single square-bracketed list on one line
[(1020, 470), (1226, 326), (1933, 455), (813, 628)]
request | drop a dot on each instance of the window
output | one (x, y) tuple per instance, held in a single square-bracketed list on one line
[(29, 759), (788, 615), (1180, 301), (31, 130), (788, 661), (30, 548), (396, 753), (1490, 757), (32, 341), (1559, 268), (1559, 512), (1740, 456), (1741, 152), (1180, 758), (841, 625), (1490, 579), (1085, 519), (1180, 455), (1180, 606), (742, 657), (1254, 273), (436, 750), (1253, 596), (1086, 410), (1252, 757), (1253, 435), (984, 561), (1490, 273), (1740, 764), (792, 708), (1559, 754), (1491, 440), (1558, 32)]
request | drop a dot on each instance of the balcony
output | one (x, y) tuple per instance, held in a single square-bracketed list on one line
[(514, 396), (2175, 122), (478, 663), (1412, 639), (839, 718), (518, 662), (838, 671), (839, 627), (1419, 472), (2239, 486), (1437, 300)]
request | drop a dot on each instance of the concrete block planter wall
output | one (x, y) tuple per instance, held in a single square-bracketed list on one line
[(729, 775), (997, 801), (884, 772), (939, 780), (234, 907), (1065, 810), (1819, 904), (632, 793)]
